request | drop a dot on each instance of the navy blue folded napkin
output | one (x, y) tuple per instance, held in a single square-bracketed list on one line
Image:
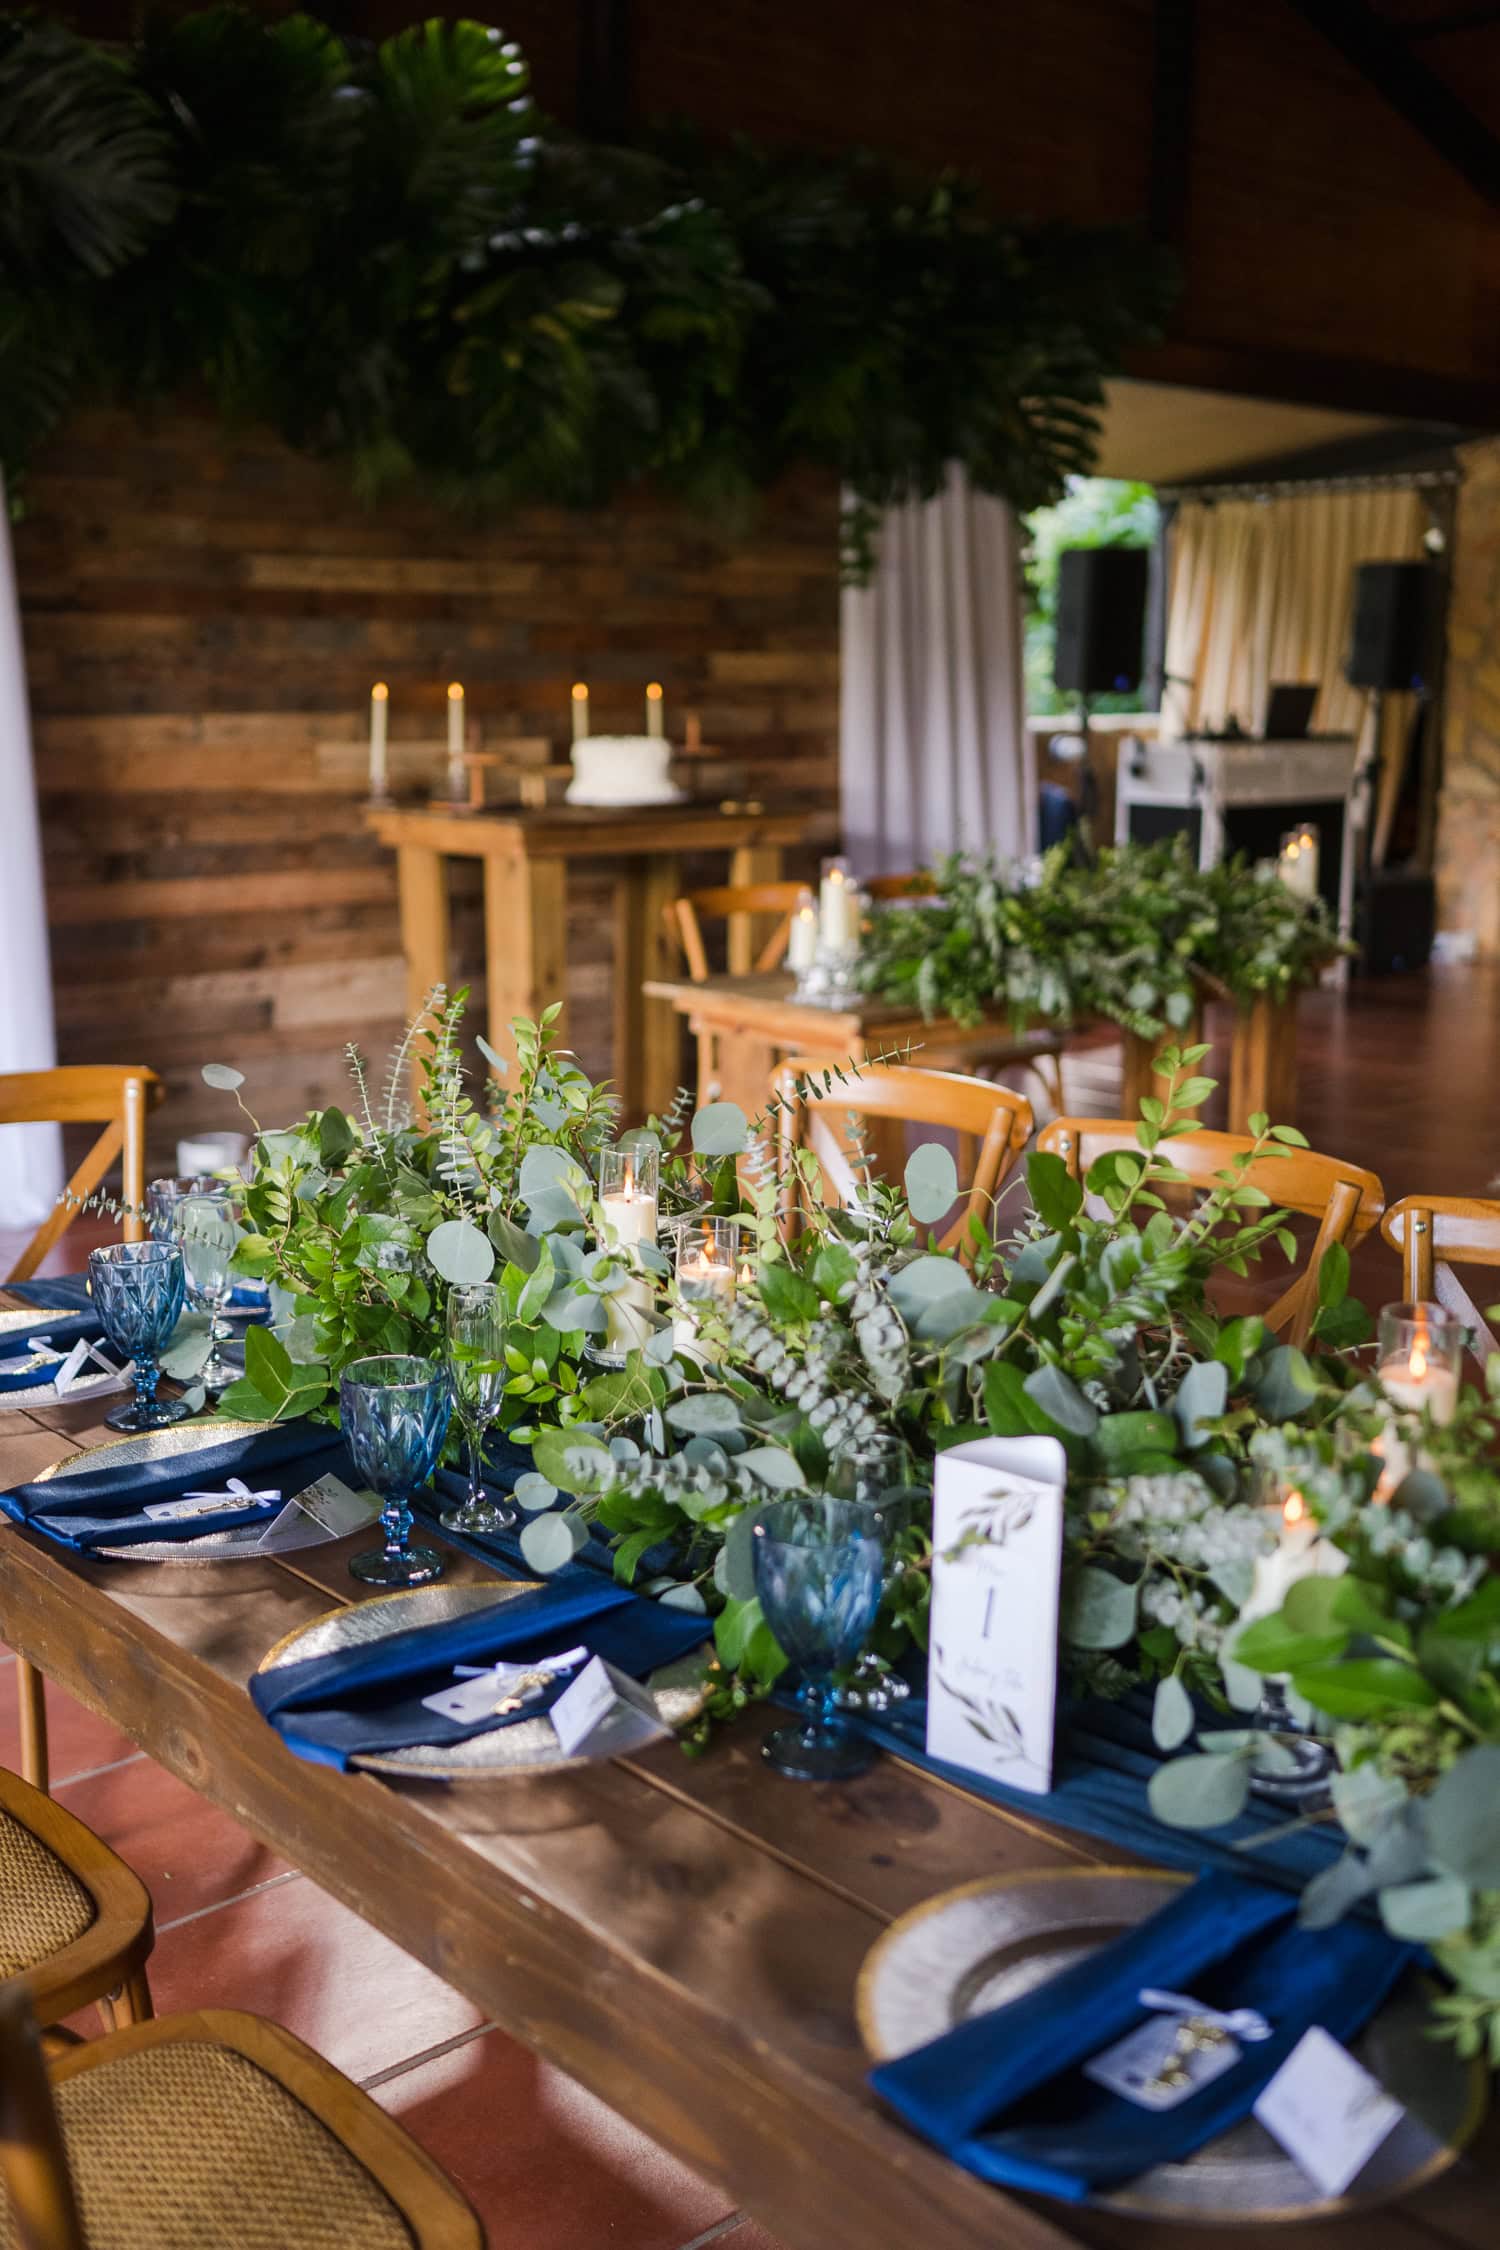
[(368, 1698), (106, 1505), (53, 1319), (1005, 2097)]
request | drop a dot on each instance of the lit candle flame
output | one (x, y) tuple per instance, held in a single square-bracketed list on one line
[(1294, 1511), (580, 692), (628, 1188), (380, 691), (456, 692), (1418, 1362), (653, 690)]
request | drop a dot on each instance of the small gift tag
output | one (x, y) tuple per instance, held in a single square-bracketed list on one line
[(1327, 2112), (1164, 2062), (605, 1713), (330, 1503), (500, 1689)]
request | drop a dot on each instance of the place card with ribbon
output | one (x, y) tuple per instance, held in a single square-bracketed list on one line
[(332, 1505), (501, 1689), (1184, 2047), (996, 1574), (236, 1496)]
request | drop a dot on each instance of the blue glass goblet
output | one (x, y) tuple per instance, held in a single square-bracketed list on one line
[(394, 1411), (817, 1571), (137, 1289)]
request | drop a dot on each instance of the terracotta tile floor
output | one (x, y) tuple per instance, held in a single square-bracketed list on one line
[(546, 2165)]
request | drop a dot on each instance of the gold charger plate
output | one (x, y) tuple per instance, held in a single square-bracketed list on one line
[(989, 1942), (178, 1441), (526, 1745)]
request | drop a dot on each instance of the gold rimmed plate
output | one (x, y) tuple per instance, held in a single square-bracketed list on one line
[(972, 1949), (526, 1746), (180, 1441)]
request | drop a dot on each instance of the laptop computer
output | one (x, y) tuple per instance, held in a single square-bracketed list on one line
[(1289, 710)]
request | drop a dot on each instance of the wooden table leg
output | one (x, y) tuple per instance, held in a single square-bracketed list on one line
[(31, 1695), (734, 1066), (1263, 1063), (648, 1033), (747, 933), (422, 877), (525, 943)]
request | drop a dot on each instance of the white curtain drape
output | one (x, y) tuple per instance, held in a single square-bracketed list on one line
[(1262, 590), (934, 755), (31, 1171)]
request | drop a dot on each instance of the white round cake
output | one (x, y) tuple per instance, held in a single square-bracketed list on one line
[(622, 769)]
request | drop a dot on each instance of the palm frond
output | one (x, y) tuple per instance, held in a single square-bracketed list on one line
[(85, 165)]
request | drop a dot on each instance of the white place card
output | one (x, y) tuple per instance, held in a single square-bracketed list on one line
[(996, 1579), (486, 1687), (1147, 2069), (1327, 2112), (70, 1376), (330, 1503), (605, 1713)]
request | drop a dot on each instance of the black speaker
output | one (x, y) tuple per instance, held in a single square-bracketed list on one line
[(1101, 619), (1395, 608), (1396, 918)]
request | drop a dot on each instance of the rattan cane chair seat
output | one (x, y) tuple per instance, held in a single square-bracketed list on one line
[(189, 2146), (43, 1906)]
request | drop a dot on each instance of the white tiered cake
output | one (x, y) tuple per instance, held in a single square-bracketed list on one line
[(622, 769)]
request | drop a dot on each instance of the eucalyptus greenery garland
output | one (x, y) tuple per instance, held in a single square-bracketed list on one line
[(1134, 934), (388, 255), (1092, 1323)]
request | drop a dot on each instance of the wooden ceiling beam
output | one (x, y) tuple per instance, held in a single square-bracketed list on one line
[(1383, 58)]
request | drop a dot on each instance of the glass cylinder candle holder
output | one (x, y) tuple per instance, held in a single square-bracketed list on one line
[(1297, 861), (802, 936), (838, 909), (628, 1181), (708, 1254), (1421, 1350)]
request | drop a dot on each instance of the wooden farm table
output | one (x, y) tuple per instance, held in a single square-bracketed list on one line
[(684, 1938), (526, 857), (745, 1025)]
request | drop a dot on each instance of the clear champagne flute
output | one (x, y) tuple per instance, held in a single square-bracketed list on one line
[(478, 1325)]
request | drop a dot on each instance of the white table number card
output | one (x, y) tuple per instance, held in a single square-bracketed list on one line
[(997, 1516)]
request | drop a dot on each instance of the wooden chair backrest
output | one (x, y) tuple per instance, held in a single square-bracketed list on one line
[(919, 884), (115, 1096), (33, 2161), (1431, 1231), (725, 902), (993, 1124), (1345, 1199)]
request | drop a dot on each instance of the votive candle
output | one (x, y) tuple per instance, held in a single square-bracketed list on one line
[(1297, 863), (1301, 1551), (1419, 1359), (708, 1253), (836, 908)]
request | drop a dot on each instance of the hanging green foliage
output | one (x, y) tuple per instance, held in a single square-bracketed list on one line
[(389, 256)]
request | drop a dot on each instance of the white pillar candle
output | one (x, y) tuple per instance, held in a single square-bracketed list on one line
[(1297, 865), (1300, 1552), (629, 1207), (456, 778), (580, 712), (802, 939), (380, 699), (836, 908), (655, 716)]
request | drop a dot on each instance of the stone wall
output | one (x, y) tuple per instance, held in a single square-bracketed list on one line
[(1468, 849)]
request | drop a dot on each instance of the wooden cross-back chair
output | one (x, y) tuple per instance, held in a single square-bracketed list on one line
[(1345, 1199), (115, 1096), (215, 2128), (75, 1921), (735, 903), (993, 1125), (1432, 1233)]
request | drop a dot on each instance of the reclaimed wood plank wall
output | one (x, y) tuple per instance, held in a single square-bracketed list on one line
[(203, 622)]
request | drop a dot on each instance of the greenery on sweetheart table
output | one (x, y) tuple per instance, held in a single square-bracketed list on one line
[(389, 256), (1135, 935), (1090, 1322)]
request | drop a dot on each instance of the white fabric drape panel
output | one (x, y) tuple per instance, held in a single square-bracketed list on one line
[(31, 1171), (934, 755), (1262, 590)]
